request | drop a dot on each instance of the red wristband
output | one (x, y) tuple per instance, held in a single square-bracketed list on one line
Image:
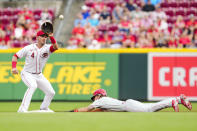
[(14, 64), (76, 110), (53, 41)]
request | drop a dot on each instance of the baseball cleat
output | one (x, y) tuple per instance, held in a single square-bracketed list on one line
[(185, 102), (175, 105), (47, 110)]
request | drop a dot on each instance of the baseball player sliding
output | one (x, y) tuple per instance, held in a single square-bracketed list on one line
[(36, 56), (101, 103)]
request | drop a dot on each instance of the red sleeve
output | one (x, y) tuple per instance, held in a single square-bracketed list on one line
[(16, 56), (52, 49)]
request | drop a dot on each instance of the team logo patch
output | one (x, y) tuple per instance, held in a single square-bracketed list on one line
[(44, 55), (32, 55)]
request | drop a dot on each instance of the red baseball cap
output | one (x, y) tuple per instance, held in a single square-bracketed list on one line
[(99, 91), (40, 32)]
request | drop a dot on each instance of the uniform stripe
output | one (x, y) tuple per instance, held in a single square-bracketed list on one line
[(36, 59), (29, 86), (40, 58)]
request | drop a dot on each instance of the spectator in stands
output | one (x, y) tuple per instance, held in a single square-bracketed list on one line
[(99, 5), (158, 13), (154, 2), (184, 40), (80, 20), (124, 25), (10, 29), (148, 7), (73, 42), (46, 16), (88, 38), (93, 20), (89, 30), (137, 13), (94, 45), (131, 28), (135, 25), (34, 24), (161, 41), (21, 20), (176, 32), (19, 31), (162, 24), (3, 44), (113, 25), (194, 40), (150, 38), (78, 30), (105, 14), (104, 21), (191, 22), (142, 40), (85, 12), (180, 23), (130, 5), (117, 12), (128, 41), (29, 34), (146, 22), (106, 42), (172, 42), (116, 40)]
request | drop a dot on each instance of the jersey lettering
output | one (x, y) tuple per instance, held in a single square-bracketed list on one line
[(32, 55), (35, 58), (44, 55)]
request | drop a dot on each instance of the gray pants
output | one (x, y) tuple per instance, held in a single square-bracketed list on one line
[(136, 106)]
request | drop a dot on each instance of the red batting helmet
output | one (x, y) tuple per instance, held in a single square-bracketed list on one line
[(99, 91)]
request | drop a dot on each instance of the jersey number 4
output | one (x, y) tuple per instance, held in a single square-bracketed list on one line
[(32, 55)]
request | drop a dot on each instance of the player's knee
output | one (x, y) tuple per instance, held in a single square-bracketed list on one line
[(52, 93)]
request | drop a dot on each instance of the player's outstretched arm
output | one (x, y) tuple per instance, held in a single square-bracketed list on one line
[(53, 41), (14, 62), (84, 109)]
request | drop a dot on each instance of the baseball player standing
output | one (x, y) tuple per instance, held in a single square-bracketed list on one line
[(103, 103), (36, 56)]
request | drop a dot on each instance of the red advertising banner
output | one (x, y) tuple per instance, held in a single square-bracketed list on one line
[(172, 74)]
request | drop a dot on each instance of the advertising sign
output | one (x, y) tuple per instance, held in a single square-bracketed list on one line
[(73, 76), (172, 74)]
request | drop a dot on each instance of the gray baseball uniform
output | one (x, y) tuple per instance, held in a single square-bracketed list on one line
[(130, 105)]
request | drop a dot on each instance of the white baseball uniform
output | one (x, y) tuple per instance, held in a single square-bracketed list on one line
[(35, 60), (130, 105)]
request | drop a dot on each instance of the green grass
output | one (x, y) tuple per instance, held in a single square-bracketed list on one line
[(165, 120)]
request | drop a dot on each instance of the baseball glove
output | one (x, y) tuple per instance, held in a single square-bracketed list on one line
[(47, 27)]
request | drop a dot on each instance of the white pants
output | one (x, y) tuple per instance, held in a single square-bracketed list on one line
[(34, 81), (136, 106)]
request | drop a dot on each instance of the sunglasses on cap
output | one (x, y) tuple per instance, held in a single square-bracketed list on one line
[(44, 35)]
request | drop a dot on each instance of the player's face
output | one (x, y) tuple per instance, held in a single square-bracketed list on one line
[(97, 97), (42, 39)]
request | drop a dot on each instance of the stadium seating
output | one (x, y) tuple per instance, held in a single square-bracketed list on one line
[(12, 15), (172, 8)]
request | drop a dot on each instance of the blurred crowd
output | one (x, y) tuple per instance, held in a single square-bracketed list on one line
[(18, 26), (135, 24)]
